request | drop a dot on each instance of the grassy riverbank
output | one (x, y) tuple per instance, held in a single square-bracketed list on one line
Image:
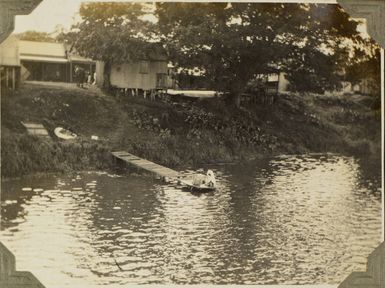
[(177, 133)]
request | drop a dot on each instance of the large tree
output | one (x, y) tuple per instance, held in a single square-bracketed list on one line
[(367, 67), (233, 42), (112, 32)]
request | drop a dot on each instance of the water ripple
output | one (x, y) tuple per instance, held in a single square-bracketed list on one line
[(293, 219)]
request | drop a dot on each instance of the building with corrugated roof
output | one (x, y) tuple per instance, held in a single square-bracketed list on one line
[(22, 60), (44, 61), (9, 63), (140, 76)]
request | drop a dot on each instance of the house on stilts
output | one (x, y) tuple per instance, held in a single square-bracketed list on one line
[(22, 60), (141, 77)]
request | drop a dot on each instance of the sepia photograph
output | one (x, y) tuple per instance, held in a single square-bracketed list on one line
[(179, 143)]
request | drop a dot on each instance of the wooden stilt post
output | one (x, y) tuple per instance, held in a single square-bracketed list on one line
[(13, 78), (6, 77), (71, 76)]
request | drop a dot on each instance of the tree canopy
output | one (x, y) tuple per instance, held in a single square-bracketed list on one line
[(367, 67), (112, 32), (233, 42)]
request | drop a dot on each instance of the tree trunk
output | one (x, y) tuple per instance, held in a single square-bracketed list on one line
[(236, 92), (106, 75), (237, 99)]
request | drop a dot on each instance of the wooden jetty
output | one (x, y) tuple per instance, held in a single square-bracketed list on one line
[(35, 129), (165, 173)]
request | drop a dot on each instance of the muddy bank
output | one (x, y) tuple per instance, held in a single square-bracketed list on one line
[(178, 133)]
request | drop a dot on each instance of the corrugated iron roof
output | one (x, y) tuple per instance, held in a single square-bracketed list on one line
[(47, 52), (43, 59), (43, 49)]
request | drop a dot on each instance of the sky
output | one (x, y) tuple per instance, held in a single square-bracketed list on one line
[(49, 15)]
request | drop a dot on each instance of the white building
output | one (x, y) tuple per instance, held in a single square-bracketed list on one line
[(9, 63)]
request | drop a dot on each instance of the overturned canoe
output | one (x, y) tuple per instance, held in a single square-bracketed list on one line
[(65, 134)]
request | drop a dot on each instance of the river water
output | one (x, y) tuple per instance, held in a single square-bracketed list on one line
[(286, 220)]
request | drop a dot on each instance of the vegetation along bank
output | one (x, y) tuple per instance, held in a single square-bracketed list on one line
[(178, 133)]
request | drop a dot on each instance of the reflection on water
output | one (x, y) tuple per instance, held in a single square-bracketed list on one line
[(289, 220)]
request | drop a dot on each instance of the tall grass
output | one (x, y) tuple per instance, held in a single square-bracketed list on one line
[(176, 133), (24, 154)]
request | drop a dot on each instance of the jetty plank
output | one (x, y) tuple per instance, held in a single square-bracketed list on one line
[(146, 165), (35, 129), (33, 125), (39, 132)]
